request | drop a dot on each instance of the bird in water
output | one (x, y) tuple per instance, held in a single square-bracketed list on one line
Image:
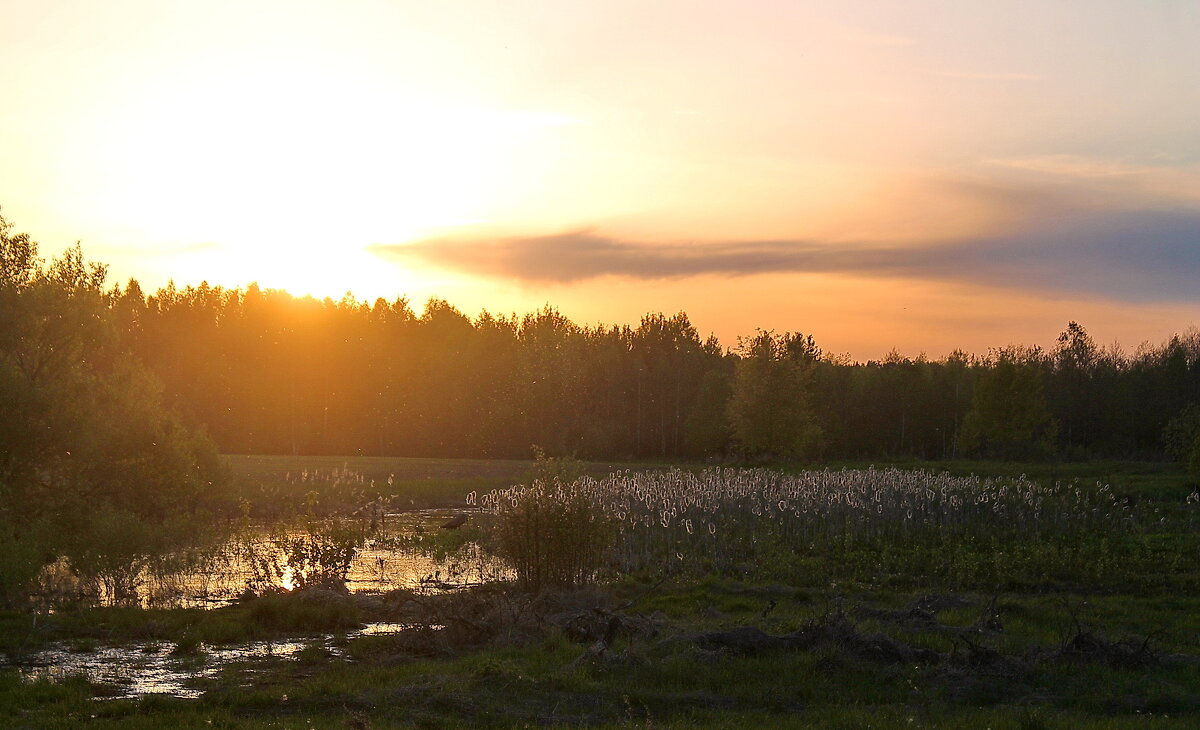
[(455, 522)]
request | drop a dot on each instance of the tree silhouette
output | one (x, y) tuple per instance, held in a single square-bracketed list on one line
[(769, 408), (1009, 418), (86, 444)]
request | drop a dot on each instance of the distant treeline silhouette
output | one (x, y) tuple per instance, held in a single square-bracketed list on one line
[(268, 372)]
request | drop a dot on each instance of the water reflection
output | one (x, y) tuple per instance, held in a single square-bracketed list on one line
[(405, 550), (395, 551), (155, 668)]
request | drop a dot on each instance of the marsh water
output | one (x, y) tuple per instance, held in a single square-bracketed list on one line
[(156, 668), (401, 551), (406, 550)]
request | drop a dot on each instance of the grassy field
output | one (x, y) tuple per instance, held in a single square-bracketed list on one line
[(882, 643), (407, 482), (444, 482), (1157, 481)]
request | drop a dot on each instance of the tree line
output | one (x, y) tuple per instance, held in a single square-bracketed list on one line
[(268, 372), (263, 371)]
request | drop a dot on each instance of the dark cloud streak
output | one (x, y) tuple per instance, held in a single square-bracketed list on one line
[(1135, 256)]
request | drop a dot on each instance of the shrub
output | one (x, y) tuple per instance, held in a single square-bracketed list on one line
[(322, 554), (551, 533)]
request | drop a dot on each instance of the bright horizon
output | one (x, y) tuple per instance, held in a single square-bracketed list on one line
[(920, 176)]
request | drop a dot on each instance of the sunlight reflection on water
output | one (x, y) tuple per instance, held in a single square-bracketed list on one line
[(132, 671), (398, 556)]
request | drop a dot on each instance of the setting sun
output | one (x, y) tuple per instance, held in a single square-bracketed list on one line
[(291, 170)]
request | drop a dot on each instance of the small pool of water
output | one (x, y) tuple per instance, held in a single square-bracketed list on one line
[(407, 551), (154, 668), (400, 553)]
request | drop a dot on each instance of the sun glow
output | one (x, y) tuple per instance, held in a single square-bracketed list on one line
[(286, 174), (298, 268)]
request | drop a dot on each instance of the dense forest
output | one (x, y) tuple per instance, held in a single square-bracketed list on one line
[(267, 372)]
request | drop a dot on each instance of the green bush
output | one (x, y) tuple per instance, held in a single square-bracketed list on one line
[(551, 534), (21, 559)]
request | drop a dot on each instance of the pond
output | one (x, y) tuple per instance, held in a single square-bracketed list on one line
[(407, 550)]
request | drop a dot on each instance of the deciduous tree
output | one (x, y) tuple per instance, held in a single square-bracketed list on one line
[(770, 413)]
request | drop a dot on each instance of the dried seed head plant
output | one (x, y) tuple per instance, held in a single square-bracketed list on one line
[(720, 519)]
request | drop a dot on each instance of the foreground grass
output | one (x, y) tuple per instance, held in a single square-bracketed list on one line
[(668, 678), (659, 672)]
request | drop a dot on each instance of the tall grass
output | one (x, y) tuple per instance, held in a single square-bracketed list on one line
[(861, 523)]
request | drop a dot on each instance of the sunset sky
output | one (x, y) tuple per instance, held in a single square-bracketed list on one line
[(914, 175)]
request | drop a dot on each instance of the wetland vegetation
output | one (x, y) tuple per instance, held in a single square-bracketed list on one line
[(1056, 604)]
